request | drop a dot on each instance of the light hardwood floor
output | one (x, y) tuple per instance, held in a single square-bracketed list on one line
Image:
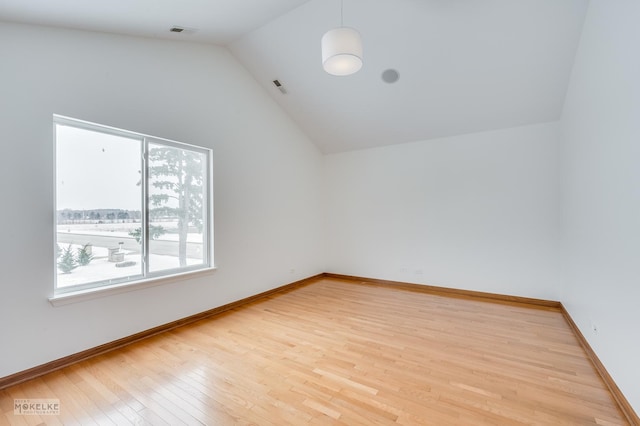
[(339, 353)]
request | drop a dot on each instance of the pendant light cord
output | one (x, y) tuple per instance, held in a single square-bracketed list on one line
[(341, 13)]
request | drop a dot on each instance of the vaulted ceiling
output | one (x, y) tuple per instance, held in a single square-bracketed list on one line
[(464, 65)]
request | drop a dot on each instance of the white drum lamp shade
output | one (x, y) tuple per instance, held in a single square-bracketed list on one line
[(342, 51)]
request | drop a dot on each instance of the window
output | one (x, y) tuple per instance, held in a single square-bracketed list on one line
[(129, 207)]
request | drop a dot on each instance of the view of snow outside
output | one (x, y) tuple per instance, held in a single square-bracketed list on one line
[(99, 206), (101, 269)]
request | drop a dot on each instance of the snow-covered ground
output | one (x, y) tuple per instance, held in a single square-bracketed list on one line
[(101, 269)]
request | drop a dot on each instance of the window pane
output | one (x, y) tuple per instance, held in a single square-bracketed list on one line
[(98, 206), (123, 216), (177, 207)]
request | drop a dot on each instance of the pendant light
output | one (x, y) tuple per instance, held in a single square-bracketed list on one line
[(342, 50)]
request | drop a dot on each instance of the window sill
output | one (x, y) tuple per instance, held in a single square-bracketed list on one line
[(94, 293)]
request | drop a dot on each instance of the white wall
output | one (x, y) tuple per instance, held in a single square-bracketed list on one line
[(601, 175), (478, 212), (267, 179)]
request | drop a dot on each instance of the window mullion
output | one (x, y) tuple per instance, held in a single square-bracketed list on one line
[(145, 206)]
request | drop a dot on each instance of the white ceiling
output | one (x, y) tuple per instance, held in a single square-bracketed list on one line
[(465, 65), (210, 21)]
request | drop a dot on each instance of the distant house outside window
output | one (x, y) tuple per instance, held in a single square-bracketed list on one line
[(129, 207)]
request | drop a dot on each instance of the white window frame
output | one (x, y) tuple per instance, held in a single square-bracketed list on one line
[(146, 277)]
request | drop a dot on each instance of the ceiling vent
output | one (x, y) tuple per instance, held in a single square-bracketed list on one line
[(280, 86)]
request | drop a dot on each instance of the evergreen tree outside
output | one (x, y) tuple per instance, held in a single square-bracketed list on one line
[(84, 257), (176, 186), (67, 262), (155, 232)]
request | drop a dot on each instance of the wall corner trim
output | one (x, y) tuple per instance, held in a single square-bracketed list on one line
[(617, 394)]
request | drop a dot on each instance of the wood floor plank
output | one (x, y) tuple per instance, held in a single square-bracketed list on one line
[(339, 353)]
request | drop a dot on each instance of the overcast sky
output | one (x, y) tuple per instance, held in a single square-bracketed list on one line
[(96, 170)]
